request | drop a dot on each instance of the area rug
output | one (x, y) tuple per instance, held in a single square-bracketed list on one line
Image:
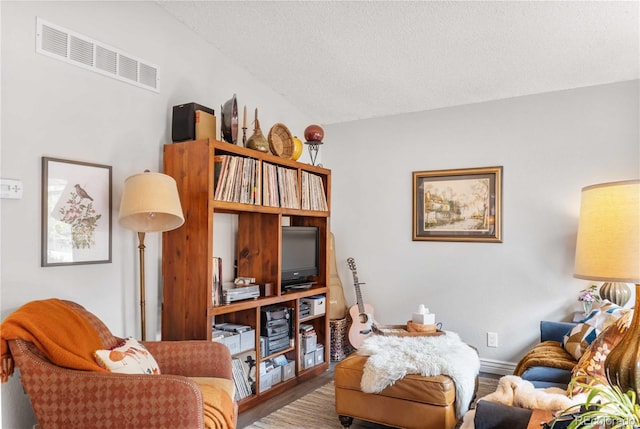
[(316, 410)]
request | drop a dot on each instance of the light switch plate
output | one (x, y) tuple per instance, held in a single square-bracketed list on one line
[(11, 189)]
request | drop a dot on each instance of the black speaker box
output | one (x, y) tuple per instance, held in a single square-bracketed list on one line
[(183, 125)]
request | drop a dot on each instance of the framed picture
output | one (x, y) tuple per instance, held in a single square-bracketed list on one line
[(458, 205), (76, 213)]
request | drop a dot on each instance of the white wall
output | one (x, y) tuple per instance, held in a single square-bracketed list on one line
[(51, 108), (550, 145)]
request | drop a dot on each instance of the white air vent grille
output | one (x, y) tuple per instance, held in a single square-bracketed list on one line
[(106, 60), (73, 48)]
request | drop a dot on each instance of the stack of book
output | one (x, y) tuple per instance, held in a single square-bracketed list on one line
[(313, 194), (241, 379), (236, 179), (280, 186), (216, 284)]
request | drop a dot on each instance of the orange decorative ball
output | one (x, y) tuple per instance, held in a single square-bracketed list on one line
[(314, 133)]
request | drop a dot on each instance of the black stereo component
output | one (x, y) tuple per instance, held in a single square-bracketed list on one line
[(273, 313), (305, 310), (275, 329), (183, 125), (278, 345)]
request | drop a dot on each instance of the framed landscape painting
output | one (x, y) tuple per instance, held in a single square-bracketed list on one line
[(458, 205), (76, 213)]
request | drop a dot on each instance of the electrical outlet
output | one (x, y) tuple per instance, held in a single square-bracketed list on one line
[(492, 339)]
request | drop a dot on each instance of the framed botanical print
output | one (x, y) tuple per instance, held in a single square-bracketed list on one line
[(76, 213), (458, 205)]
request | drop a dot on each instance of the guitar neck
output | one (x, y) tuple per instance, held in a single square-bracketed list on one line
[(356, 285)]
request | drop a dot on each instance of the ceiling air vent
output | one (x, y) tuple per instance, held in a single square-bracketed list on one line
[(73, 48)]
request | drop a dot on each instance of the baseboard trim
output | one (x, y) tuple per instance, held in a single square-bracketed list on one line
[(499, 367)]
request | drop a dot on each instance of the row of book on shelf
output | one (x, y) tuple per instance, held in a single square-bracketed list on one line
[(238, 179), (241, 372), (216, 285)]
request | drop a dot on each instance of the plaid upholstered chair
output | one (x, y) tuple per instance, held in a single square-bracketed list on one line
[(66, 398)]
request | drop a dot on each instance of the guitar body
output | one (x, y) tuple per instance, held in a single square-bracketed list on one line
[(361, 313), (360, 327)]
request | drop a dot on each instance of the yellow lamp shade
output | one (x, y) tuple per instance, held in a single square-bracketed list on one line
[(608, 243), (150, 203)]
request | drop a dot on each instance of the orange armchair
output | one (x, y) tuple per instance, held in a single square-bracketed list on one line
[(66, 398)]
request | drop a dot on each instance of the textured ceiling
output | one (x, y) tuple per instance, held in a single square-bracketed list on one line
[(339, 61)]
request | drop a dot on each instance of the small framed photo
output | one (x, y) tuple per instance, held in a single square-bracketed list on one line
[(76, 213), (458, 205)]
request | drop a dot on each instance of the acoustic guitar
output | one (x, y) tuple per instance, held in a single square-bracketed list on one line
[(361, 313)]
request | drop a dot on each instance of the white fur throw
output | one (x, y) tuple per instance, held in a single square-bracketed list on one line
[(513, 390), (391, 358)]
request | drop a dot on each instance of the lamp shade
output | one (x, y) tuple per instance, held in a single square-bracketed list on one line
[(608, 243), (150, 203)]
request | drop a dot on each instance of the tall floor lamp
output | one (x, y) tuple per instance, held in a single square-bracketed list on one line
[(608, 249), (150, 203)]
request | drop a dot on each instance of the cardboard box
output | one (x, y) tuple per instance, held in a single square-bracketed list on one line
[(317, 303), (205, 125)]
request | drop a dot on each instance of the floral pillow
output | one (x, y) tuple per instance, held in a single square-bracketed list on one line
[(590, 367), (583, 334), (130, 357)]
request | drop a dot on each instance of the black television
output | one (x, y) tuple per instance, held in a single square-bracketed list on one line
[(299, 256)]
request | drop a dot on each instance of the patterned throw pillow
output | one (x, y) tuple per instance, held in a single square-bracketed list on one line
[(130, 357), (578, 339), (590, 367)]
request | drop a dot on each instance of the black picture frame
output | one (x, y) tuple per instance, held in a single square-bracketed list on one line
[(76, 213)]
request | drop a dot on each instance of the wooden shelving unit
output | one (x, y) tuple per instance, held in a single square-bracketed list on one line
[(187, 255)]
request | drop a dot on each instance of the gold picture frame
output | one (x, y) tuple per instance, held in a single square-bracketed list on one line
[(458, 205)]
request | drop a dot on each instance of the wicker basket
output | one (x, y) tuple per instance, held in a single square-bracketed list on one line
[(281, 141), (401, 331)]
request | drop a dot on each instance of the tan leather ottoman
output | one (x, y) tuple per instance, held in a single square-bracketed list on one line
[(414, 402)]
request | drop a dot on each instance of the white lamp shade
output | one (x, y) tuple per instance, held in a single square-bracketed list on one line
[(150, 203), (608, 243)]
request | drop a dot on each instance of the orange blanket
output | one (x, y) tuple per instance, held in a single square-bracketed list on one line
[(217, 394), (65, 337)]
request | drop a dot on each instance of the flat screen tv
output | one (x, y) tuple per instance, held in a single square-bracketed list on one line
[(299, 256)]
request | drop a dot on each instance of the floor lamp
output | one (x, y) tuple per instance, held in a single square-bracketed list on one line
[(150, 203), (608, 249)]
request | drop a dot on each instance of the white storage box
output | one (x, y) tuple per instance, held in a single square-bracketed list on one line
[(308, 360), (319, 354), (309, 343), (288, 370), (265, 381), (248, 340), (317, 304), (276, 375), (231, 340)]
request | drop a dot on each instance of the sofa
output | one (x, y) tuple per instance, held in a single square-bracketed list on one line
[(567, 352), (548, 364), (194, 388)]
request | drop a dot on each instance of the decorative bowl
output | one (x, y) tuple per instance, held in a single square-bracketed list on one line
[(281, 141), (229, 126)]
